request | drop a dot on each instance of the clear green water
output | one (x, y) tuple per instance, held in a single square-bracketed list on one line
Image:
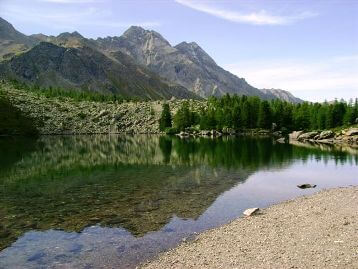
[(115, 201)]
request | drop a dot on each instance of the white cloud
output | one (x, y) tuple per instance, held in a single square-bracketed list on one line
[(316, 81), (258, 18), (70, 1)]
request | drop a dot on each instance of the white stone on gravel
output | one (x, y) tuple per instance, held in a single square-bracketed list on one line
[(251, 211)]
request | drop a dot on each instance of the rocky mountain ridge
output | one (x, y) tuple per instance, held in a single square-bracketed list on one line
[(181, 71)]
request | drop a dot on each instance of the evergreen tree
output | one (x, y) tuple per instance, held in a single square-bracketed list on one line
[(236, 117), (183, 117), (165, 120), (245, 114), (265, 115)]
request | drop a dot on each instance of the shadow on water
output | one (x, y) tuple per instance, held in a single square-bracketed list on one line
[(136, 183)]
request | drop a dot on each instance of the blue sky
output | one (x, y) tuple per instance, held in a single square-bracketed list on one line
[(307, 47)]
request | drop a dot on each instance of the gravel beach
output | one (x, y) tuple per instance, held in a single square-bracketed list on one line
[(318, 231)]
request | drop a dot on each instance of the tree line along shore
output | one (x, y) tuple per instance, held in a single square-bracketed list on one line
[(34, 110)]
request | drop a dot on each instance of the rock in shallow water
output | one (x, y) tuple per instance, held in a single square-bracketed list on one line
[(306, 186), (281, 140)]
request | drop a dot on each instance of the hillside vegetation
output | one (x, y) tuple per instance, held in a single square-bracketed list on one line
[(13, 121), (59, 111), (244, 112)]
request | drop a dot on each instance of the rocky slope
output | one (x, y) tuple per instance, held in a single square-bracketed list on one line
[(66, 116), (184, 71)]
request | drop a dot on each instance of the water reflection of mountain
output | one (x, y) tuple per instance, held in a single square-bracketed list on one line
[(136, 182)]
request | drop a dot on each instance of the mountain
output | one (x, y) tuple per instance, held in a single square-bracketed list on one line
[(186, 64), (283, 95), (12, 41), (139, 63), (85, 68)]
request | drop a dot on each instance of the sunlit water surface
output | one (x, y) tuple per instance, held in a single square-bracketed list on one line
[(116, 201)]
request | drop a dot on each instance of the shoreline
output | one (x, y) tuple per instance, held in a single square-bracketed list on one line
[(319, 230), (64, 116)]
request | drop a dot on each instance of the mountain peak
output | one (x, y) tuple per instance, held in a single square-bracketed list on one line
[(5, 24), (137, 33), (186, 45), (74, 34), (7, 31), (194, 51), (134, 30), (136, 36)]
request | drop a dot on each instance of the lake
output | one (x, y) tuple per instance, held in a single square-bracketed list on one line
[(115, 201)]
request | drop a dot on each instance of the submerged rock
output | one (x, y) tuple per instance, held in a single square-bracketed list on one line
[(306, 186), (281, 140), (277, 134)]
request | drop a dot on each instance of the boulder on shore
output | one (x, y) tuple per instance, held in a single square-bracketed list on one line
[(306, 136), (352, 132), (295, 135), (326, 135), (251, 211)]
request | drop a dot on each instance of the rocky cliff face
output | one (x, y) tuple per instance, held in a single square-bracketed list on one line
[(186, 64)]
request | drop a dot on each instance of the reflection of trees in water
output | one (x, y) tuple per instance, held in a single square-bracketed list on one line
[(136, 182), (13, 149), (78, 153), (165, 144), (250, 153)]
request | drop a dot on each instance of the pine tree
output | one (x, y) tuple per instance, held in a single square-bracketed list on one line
[(165, 120), (265, 115), (245, 114), (183, 118), (236, 117)]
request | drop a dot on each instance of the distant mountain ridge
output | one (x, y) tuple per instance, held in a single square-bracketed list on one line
[(71, 61), (139, 63), (12, 41)]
